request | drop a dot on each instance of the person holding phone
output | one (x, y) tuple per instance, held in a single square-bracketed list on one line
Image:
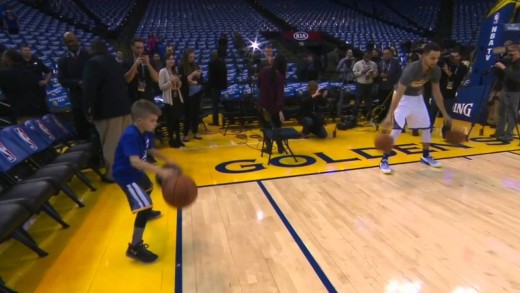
[(191, 89), (140, 73)]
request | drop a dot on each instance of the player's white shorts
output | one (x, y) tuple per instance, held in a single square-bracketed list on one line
[(412, 112)]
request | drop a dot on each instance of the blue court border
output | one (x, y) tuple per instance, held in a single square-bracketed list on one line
[(178, 254), (323, 278)]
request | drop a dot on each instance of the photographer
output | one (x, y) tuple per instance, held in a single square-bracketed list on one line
[(452, 74), (510, 96), (309, 116)]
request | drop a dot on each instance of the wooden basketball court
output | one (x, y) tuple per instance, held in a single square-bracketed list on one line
[(330, 222)]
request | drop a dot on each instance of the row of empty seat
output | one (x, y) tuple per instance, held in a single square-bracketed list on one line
[(345, 24), (422, 12), (111, 13), (467, 18), (90, 13), (380, 10), (32, 171)]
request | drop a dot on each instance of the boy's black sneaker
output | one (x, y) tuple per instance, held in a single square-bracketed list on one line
[(141, 253), (154, 215)]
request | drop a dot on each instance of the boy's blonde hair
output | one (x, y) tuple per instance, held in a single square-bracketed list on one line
[(143, 109)]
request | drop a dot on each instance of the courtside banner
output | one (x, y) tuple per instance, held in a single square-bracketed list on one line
[(471, 104)]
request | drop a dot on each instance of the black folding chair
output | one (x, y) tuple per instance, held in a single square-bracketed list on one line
[(273, 134), (4, 288)]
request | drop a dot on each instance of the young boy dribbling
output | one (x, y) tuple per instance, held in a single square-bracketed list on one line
[(129, 168)]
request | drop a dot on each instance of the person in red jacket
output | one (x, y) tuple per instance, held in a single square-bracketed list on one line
[(271, 81)]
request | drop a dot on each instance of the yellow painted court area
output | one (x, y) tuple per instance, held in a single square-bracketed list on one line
[(90, 255), (222, 159)]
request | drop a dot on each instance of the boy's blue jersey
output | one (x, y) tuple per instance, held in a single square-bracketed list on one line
[(131, 143)]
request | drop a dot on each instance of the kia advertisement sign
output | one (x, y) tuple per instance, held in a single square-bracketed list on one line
[(302, 36)]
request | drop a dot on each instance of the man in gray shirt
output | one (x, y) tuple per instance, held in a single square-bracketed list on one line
[(408, 104)]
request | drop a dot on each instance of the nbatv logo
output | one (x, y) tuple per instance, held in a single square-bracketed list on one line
[(11, 158), (21, 133), (301, 36)]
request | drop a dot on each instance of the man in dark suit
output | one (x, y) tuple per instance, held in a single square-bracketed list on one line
[(70, 76), (106, 100), (389, 73), (19, 87)]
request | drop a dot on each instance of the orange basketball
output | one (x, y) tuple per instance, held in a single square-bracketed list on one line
[(384, 142), (455, 136), (179, 191)]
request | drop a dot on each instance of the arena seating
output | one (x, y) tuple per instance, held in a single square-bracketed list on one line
[(423, 12), (71, 10), (344, 24), (111, 13), (197, 24), (66, 9), (467, 17), (379, 10)]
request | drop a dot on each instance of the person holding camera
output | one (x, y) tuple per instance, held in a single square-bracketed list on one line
[(309, 115), (365, 71), (452, 74), (140, 74), (510, 96)]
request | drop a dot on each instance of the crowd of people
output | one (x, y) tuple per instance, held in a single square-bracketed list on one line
[(95, 80)]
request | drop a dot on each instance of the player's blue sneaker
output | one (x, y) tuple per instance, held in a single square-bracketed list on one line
[(430, 162), (385, 167)]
